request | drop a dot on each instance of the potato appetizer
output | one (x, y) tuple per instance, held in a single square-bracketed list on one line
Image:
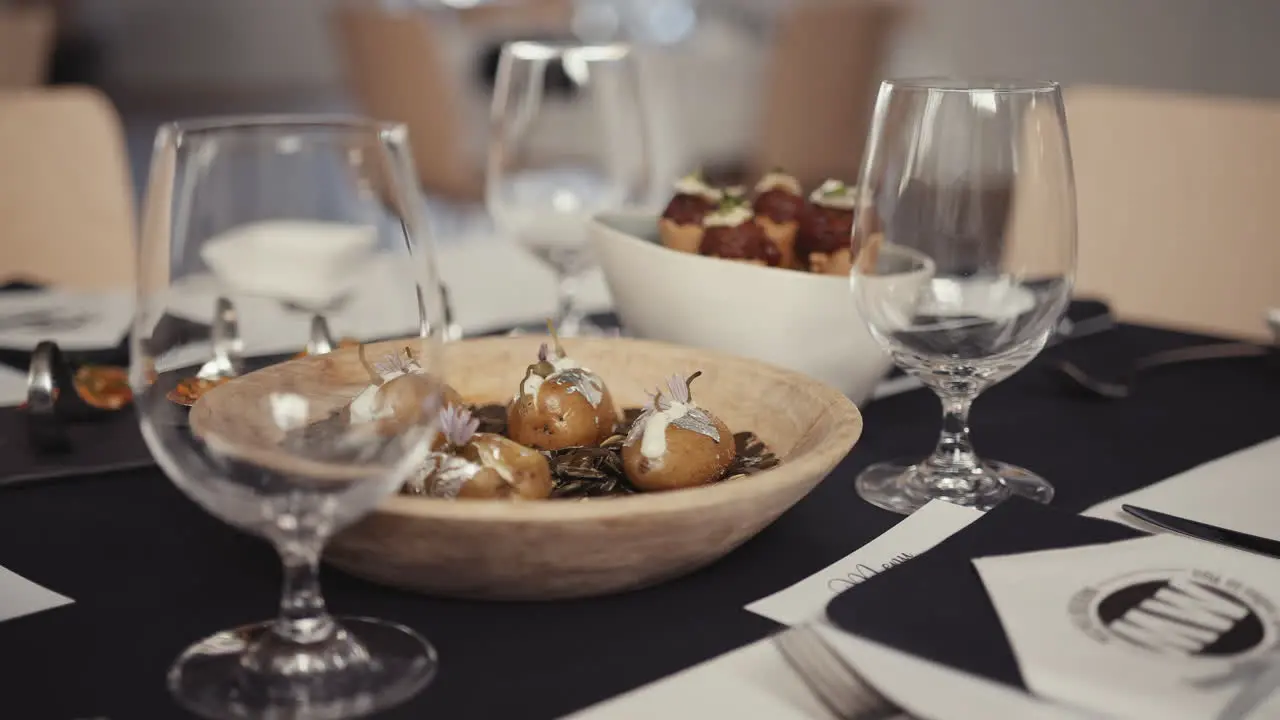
[(398, 395), (480, 465), (676, 444), (560, 404)]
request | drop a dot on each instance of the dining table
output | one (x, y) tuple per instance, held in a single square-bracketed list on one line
[(150, 572)]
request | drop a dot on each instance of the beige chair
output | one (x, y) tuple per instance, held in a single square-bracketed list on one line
[(819, 87), (396, 68), (66, 200), (26, 44), (1179, 206)]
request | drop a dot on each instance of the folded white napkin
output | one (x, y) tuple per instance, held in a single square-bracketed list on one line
[(1157, 627)]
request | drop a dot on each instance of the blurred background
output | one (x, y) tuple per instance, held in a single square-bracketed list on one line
[(159, 59), (735, 86)]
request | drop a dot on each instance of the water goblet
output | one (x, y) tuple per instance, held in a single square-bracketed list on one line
[(243, 194), (975, 178), (556, 159)]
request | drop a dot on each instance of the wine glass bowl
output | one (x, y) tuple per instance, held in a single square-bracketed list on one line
[(977, 177), (555, 159), (289, 209)]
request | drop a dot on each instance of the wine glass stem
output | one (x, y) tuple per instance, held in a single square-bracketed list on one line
[(303, 617), (953, 457), (568, 315)]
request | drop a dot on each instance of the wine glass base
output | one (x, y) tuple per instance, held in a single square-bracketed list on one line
[(906, 487), (211, 680)]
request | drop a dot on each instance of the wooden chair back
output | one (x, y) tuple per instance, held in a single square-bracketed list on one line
[(26, 44), (1179, 223), (67, 215)]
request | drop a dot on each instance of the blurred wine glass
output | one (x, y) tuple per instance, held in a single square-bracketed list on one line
[(291, 210), (560, 153), (974, 178)]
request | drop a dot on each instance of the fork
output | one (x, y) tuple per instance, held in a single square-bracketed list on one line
[(831, 679)]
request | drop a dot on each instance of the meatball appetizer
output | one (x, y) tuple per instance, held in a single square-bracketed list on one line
[(476, 465), (826, 228), (779, 202), (732, 233), (681, 224), (560, 404), (676, 444)]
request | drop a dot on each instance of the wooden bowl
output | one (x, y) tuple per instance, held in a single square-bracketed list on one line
[(552, 549)]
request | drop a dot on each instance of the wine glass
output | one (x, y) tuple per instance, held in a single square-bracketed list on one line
[(298, 210), (973, 179), (567, 140)]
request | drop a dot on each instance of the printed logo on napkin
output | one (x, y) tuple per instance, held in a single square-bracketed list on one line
[(1160, 626), (1192, 614)]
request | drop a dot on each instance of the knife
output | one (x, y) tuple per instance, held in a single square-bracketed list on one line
[(1204, 531)]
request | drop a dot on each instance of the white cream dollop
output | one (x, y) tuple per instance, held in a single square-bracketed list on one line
[(366, 407), (694, 185), (730, 217), (653, 444), (835, 194), (778, 180), (534, 381)]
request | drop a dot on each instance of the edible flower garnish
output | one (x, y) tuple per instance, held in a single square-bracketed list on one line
[(457, 425)]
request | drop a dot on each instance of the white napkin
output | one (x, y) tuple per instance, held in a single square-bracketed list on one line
[(103, 318), (921, 530), (1157, 627), (19, 596), (1239, 491)]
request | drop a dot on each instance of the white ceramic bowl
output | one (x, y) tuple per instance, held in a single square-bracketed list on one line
[(800, 321)]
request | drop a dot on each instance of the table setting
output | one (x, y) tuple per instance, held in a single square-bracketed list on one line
[(702, 489)]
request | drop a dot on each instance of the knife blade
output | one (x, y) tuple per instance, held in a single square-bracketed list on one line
[(1207, 532)]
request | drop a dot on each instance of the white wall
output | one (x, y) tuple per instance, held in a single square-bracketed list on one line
[(1227, 46), (1221, 46), (253, 45)]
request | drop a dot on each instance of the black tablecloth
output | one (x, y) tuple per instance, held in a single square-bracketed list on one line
[(150, 572)]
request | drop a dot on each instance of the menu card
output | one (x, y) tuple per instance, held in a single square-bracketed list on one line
[(917, 533), (1155, 627)]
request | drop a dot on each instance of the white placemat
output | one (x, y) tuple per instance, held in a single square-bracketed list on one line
[(1240, 491), (19, 596), (93, 320), (13, 386), (492, 284)]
